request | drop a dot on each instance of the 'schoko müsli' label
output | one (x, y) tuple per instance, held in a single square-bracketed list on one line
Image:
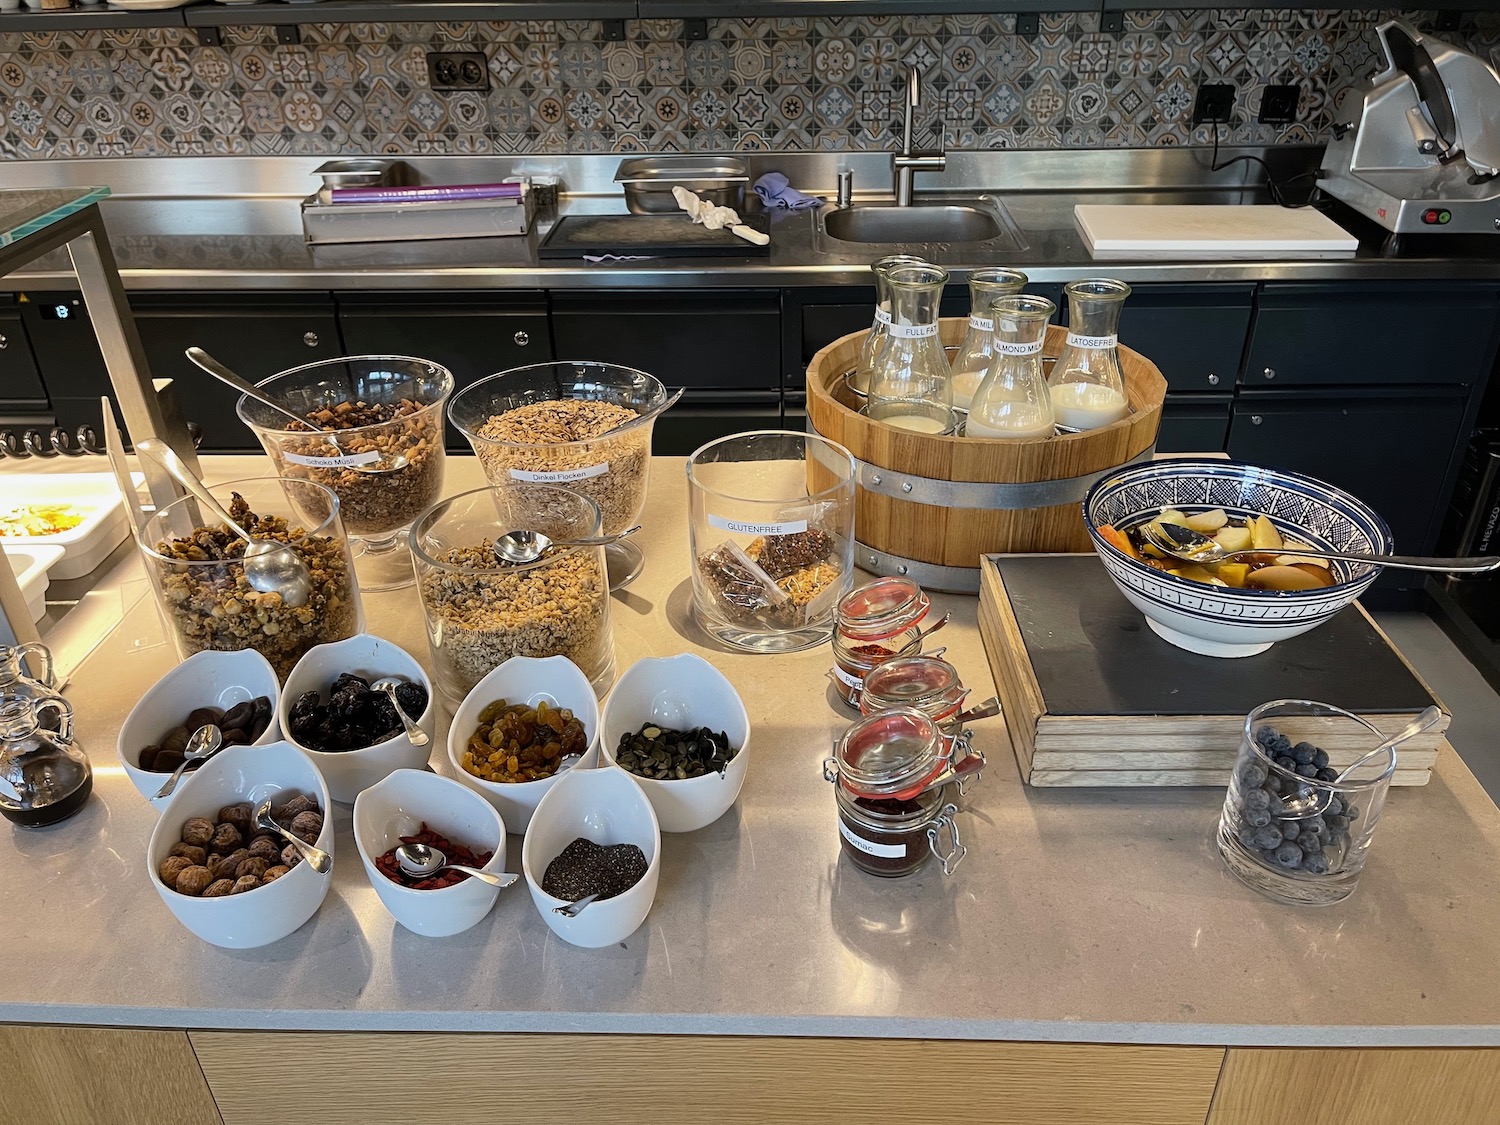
[(345, 461)]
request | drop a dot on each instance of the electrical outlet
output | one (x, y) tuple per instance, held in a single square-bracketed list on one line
[(1215, 102), (1028, 25), (1278, 105), (457, 70)]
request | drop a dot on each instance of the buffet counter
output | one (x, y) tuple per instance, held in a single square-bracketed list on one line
[(1090, 961)]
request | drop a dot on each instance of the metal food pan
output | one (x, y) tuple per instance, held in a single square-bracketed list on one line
[(648, 181)]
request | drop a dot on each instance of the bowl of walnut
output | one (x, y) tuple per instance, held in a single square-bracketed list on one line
[(225, 880)]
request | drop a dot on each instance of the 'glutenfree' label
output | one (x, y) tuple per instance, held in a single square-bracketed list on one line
[(745, 527)]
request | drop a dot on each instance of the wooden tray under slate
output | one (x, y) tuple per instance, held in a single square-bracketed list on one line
[(1093, 697), (664, 236)]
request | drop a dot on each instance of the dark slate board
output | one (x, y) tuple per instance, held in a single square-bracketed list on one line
[(1093, 654), (667, 236)]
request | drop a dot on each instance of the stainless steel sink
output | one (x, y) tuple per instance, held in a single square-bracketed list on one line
[(939, 223)]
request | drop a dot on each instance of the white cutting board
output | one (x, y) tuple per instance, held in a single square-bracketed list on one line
[(1148, 230)]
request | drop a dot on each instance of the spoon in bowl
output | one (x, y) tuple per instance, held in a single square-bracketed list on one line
[(1194, 546), (573, 909), (415, 734), (911, 645), (1316, 801), (522, 546), (319, 860), (206, 741), (270, 567), (387, 464), (422, 861)]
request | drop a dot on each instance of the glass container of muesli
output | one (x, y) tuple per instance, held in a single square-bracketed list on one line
[(581, 424), (772, 532), (481, 611), (374, 437)]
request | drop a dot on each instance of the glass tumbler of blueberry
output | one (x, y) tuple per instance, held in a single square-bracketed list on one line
[(1298, 820)]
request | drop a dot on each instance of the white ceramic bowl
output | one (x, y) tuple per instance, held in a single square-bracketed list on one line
[(681, 692), (608, 807), (244, 773), (218, 679), (371, 657), (529, 680), (1219, 620), (398, 805)]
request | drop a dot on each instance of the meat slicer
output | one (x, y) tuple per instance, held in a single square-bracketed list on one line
[(1424, 156)]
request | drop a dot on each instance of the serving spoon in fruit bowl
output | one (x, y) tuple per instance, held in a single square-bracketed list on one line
[(420, 861), (1193, 546)]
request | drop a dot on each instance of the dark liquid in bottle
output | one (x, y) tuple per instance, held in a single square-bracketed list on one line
[(56, 787)]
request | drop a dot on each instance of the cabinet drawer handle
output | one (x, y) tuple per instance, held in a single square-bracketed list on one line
[(1256, 419), (310, 339), (1269, 373), (1213, 380), (522, 339), (4, 343)]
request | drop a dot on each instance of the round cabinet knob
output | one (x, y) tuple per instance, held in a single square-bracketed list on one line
[(1256, 419), (522, 339), (310, 339), (4, 343), (1269, 373), (1213, 380)]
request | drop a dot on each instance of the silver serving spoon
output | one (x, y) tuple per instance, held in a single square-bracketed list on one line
[(423, 860), (573, 909), (270, 567), (522, 546), (206, 741), (1193, 546), (923, 634), (415, 734), (319, 860), (1315, 802), (246, 387)]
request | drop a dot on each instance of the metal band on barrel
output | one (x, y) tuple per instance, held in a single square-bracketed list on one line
[(930, 576), (1007, 495)]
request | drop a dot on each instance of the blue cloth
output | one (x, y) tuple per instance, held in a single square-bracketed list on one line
[(776, 191)]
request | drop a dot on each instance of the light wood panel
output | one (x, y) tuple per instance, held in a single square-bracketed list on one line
[(1358, 1087), (101, 1076), (354, 1079)]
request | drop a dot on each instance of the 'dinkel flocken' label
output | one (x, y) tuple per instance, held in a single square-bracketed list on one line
[(560, 476), (347, 461), (746, 527), (889, 851), (1091, 343), (1011, 347), (913, 331)]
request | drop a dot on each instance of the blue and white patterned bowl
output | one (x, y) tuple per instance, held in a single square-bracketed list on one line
[(1217, 620)]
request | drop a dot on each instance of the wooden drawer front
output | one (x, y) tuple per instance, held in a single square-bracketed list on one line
[(353, 1079)]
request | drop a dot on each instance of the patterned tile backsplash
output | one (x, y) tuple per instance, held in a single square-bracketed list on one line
[(753, 84)]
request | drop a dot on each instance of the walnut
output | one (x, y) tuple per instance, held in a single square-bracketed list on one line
[(238, 815), (245, 883), (290, 856), (194, 880), (226, 838), (227, 866), (266, 847), (218, 888), (307, 825), (198, 831), (171, 867), (271, 874), (252, 866), (293, 808), (191, 852)]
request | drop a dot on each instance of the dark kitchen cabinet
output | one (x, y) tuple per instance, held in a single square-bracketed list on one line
[(21, 387), (1194, 333), (701, 416), (1193, 424)]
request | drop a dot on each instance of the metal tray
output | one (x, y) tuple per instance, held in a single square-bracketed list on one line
[(408, 222), (648, 181)]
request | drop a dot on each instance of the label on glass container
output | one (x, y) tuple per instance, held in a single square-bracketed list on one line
[(982, 323), (347, 461), (846, 679), (1092, 343), (1012, 347), (882, 316), (913, 331), (889, 851), (746, 527), (560, 476)]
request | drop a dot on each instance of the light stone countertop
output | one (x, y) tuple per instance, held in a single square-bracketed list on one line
[(1100, 915)]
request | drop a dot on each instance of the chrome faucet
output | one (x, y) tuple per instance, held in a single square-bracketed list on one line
[(906, 163)]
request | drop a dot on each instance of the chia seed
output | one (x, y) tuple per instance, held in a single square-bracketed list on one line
[(585, 868)]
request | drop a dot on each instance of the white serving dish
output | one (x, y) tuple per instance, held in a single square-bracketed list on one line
[(608, 807), (398, 805), (31, 565), (682, 692), (529, 680), (209, 678), (96, 494), (372, 657), (266, 914)]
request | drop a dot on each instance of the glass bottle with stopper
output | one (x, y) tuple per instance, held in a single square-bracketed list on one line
[(44, 774), (973, 361), (1013, 401), (859, 382), (909, 387), (1088, 390)]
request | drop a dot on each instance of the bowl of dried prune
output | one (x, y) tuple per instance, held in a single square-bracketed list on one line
[(235, 691), (519, 728), (331, 710)]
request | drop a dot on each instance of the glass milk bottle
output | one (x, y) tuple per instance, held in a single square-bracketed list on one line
[(973, 361), (909, 387), (860, 381), (1088, 390), (1013, 401)]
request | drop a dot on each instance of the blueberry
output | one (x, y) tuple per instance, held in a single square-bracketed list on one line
[(1286, 762), (1304, 752), (1338, 823), (1246, 836), (1335, 806), (1320, 759), (1351, 811), (1274, 784), (1326, 774), (1289, 855), (1266, 735), (1252, 775), (1316, 824), (1259, 818), (1315, 863), (1268, 838), (1257, 799), (1291, 829), (1280, 745), (1306, 769), (1310, 842)]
